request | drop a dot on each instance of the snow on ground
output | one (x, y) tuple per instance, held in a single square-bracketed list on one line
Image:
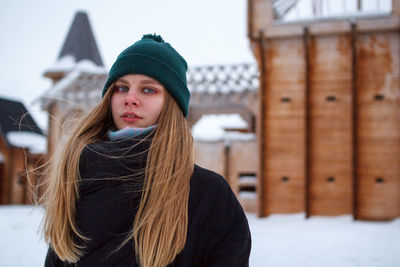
[(292, 240), (20, 242), (278, 240)]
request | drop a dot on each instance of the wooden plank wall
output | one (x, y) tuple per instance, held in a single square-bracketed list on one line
[(14, 187), (284, 181), (378, 134), (330, 132), (17, 186), (242, 159), (2, 183), (210, 155), (329, 121), (4, 172)]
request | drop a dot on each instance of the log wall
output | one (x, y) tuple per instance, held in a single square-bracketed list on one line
[(15, 188), (2, 183), (210, 155), (284, 190), (329, 120), (378, 150), (237, 162)]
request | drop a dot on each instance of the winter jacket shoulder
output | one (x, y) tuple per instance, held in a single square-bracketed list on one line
[(218, 232)]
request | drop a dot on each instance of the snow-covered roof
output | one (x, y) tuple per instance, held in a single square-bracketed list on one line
[(68, 63), (84, 81), (223, 79), (77, 87), (36, 143), (14, 117), (211, 128)]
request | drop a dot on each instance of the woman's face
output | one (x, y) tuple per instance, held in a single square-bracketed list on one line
[(136, 101)]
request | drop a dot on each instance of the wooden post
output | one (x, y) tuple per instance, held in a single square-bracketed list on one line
[(227, 148), (250, 18), (260, 14), (396, 8), (359, 5), (10, 174), (306, 41), (261, 129), (354, 114)]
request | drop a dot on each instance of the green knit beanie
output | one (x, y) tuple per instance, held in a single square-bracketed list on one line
[(153, 57)]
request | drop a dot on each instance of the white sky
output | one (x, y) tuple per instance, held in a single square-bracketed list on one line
[(33, 32)]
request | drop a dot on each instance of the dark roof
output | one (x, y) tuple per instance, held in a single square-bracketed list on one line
[(80, 41), (15, 117)]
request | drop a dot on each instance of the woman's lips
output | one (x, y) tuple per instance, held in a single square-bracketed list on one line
[(130, 117)]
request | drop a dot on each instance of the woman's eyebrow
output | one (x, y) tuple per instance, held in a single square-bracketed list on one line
[(143, 82), (149, 82), (122, 80)]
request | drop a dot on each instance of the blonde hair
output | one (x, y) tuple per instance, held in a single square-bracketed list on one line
[(160, 226)]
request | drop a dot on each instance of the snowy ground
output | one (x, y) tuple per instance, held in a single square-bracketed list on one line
[(278, 241)]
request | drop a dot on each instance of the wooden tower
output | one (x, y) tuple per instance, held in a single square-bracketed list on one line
[(329, 121), (80, 45)]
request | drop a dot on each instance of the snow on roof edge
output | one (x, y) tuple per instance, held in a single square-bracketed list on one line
[(211, 128), (52, 92), (68, 63), (36, 143)]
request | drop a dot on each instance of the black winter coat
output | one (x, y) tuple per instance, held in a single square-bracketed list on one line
[(218, 232)]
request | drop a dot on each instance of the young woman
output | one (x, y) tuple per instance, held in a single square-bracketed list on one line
[(123, 189)]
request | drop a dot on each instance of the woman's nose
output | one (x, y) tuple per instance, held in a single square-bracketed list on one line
[(131, 100)]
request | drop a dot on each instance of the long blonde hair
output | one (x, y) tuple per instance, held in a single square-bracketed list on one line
[(160, 226)]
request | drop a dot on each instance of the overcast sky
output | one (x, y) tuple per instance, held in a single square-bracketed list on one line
[(32, 34), (203, 31)]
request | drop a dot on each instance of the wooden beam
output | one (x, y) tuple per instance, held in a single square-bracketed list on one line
[(354, 115), (396, 8), (9, 175), (250, 18), (4, 149), (262, 147), (334, 26), (307, 127), (261, 15), (227, 148)]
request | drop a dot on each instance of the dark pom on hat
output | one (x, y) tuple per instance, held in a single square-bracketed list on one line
[(153, 36)]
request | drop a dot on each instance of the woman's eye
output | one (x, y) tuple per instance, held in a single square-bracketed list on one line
[(149, 91), (121, 89)]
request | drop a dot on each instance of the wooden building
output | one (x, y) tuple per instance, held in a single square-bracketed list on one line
[(19, 157), (228, 89), (329, 120), (237, 161), (77, 73)]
